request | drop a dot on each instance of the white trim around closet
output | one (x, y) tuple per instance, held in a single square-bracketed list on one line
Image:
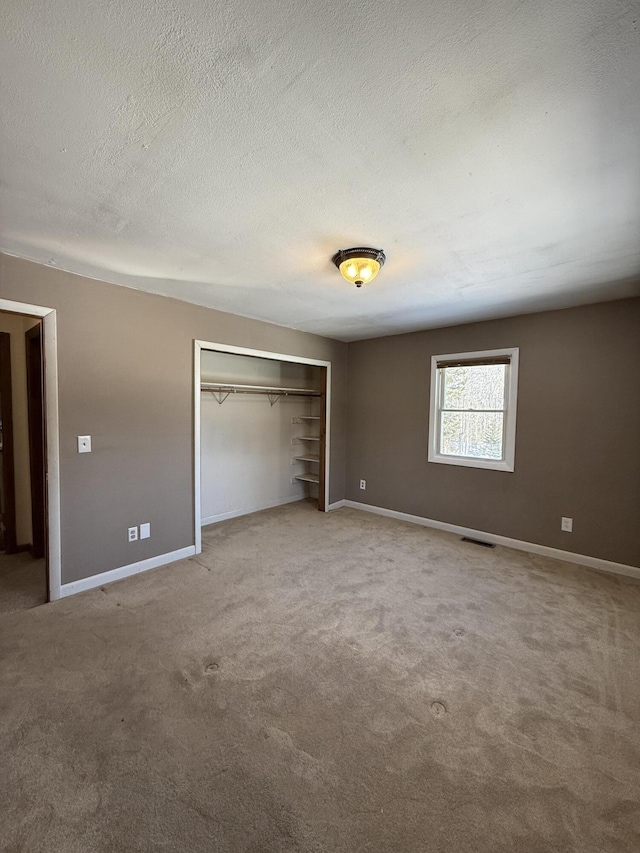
[(198, 346)]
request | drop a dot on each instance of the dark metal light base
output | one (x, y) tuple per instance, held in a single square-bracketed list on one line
[(359, 252)]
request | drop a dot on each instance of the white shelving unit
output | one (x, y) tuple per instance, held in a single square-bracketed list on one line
[(307, 455), (308, 477)]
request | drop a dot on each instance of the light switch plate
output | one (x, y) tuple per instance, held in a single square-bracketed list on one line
[(145, 530), (84, 444)]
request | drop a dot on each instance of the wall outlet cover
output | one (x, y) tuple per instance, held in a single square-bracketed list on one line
[(132, 534), (84, 444), (363, 484), (567, 525)]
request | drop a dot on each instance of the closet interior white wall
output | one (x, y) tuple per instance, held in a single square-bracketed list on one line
[(246, 447)]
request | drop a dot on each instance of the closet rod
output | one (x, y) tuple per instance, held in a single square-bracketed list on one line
[(222, 390), (257, 389)]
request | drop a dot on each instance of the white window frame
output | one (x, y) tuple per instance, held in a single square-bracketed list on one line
[(507, 463)]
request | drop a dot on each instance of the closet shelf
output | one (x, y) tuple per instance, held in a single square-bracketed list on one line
[(221, 391), (308, 478), (309, 458), (309, 417), (306, 438)]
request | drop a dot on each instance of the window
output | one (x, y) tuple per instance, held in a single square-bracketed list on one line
[(473, 409)]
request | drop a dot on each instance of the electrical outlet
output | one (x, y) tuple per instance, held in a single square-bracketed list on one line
[(145, 530), (363, 484), (567, 525), (132, 534)]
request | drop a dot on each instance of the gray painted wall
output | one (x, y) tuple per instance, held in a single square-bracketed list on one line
[(126, 359), (578, 430), (126, 374)]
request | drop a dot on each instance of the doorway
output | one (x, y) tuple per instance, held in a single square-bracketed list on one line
[(35, 415), (23, 571), (29, 457), (8, 536)]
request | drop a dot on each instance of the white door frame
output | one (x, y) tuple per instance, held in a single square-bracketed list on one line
[(52, 450), (198, 346)]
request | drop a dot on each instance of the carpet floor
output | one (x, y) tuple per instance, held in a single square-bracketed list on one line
[(341, 682), (23, 582)]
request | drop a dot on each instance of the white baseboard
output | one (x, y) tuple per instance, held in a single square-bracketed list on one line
[(337, 505), (125, 571), (519, 545), (236, 513)]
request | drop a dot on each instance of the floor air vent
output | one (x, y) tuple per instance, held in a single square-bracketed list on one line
[(478, 542)]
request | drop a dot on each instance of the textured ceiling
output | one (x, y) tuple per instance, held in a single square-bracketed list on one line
[(220, 152)]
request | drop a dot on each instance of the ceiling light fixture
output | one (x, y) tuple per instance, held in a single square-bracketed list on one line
[(359, 265)]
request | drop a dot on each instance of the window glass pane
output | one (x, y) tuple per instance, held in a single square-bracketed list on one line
[(475, 387), (475, 434)]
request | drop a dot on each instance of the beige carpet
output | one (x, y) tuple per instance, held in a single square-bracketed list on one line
[(23, 582), (340, 682)]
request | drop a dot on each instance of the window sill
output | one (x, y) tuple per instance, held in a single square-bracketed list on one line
[(468, 462)]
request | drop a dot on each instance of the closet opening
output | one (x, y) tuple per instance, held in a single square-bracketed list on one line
[(23, 568), (261, 424), (30, 554)]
